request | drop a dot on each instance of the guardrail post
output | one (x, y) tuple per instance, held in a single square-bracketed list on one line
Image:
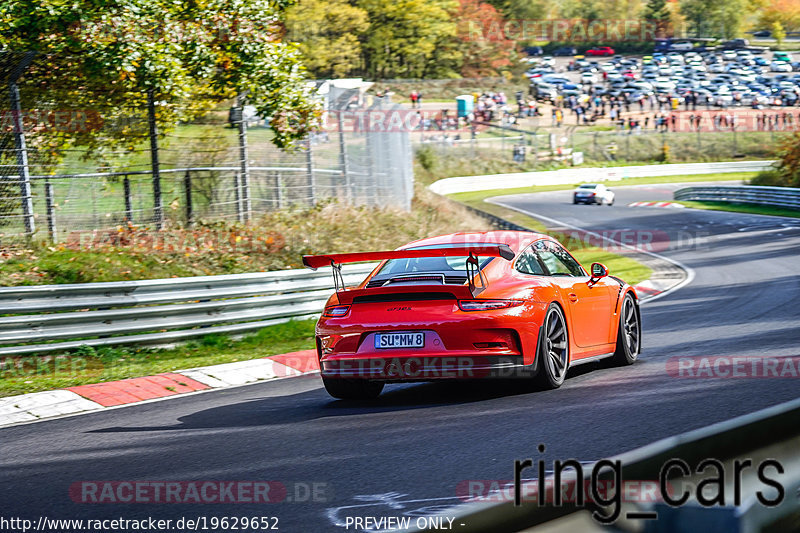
[(50, 206), (126, 187), (158, 209), (187, 191)]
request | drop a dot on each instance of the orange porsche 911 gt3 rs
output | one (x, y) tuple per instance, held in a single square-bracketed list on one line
[(497, 304)]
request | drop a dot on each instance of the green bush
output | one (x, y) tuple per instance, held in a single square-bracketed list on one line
[(771, 178), (427, 158)]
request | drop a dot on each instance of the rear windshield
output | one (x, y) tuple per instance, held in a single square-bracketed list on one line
[(431, 264), (588, 186)]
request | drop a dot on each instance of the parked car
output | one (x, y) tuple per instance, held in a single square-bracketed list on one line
[(534, 50), (565, 51), (600, 51), (681, 46), (780, 66)]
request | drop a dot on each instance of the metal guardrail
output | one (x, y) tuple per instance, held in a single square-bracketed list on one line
[(745, 194), (160, 310)]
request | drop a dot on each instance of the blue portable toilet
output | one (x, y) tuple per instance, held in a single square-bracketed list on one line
[(464, 105)]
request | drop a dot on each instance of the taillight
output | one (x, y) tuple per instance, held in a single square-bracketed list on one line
[(487, 305), (336, 311)]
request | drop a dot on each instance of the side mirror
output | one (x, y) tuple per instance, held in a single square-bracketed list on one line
[(599, 270)]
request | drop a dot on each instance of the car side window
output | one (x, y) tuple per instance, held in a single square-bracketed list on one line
[(557, 260), (527, 263)]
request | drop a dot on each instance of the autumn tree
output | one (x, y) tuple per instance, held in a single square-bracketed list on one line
[(188, 55), (328, 33), (404, 36), (786, 12), (716, 18), (485, 51)]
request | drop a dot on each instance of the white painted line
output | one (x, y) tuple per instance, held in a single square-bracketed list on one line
[(689, 272)]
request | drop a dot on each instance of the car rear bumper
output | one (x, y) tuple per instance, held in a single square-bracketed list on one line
[(586, 199), (409, 368)]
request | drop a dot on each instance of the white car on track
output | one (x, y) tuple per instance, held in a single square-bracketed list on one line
[(593, 193)]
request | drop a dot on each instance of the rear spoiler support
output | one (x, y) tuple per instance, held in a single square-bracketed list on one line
[(474, 271), (338, 279)]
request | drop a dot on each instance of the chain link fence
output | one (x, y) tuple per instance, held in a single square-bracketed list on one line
[(537, 144), (220, 166)]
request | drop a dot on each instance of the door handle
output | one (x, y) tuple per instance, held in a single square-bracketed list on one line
[(573, 297)]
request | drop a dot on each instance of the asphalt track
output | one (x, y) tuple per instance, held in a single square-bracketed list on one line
[(407, 453)]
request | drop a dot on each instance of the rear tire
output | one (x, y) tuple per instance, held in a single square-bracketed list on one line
[(629, 335), (553, 350), (352, 389)]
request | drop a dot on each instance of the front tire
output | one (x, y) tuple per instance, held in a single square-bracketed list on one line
[(352, 389), (629, 336), (553, 349)]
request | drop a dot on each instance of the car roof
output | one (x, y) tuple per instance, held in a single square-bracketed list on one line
[(516, 240)]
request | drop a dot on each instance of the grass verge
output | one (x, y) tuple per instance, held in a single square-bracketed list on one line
[(34, 373), (470, 197), (275, 241), (743, 208)]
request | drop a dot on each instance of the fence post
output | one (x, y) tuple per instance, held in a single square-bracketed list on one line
[(237, 196), (243, 160), (51, 213), (343, 161), (126, 187), (158, 209), (628, 146), (278, 188), (371, 193), (187, 191), (312, 186), (23, 170), (472, 135)]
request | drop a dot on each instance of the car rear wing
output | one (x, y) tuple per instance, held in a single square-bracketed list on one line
[(471, 252)]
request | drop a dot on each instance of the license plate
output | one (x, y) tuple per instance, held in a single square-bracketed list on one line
[(399, 340)]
